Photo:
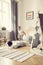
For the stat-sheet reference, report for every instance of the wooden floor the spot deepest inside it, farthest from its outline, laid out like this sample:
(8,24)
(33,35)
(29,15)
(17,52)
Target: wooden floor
(34,60)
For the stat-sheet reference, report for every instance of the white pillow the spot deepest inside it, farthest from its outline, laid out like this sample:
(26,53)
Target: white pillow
(19,44)
(25,38)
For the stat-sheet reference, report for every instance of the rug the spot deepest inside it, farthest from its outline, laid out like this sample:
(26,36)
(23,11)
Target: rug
(17,55)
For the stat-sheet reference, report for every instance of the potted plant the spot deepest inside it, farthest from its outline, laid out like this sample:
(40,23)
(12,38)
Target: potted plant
(3,28)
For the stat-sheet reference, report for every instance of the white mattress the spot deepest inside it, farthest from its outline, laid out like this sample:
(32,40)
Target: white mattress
(37,51)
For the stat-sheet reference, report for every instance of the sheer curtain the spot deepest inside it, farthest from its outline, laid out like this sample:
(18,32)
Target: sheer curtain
(5,14)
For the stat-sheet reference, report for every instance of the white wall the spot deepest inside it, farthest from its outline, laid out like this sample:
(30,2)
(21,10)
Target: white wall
(27,6)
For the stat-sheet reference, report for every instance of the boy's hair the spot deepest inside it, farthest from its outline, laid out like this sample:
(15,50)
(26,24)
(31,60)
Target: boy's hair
(9,43)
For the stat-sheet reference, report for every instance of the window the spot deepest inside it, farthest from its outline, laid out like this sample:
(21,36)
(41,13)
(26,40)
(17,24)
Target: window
(5,13)
(0,4)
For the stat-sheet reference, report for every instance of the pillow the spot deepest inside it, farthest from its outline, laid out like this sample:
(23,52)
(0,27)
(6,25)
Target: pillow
(36,41)
(19,44)
(30,39)
(27,38)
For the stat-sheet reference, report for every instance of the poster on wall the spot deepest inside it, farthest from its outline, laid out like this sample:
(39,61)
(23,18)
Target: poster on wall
(30,15)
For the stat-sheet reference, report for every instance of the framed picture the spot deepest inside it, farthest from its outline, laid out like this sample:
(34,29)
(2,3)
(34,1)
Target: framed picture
(29,15)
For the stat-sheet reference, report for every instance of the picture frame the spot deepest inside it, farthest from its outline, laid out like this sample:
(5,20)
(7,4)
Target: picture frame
(30,15)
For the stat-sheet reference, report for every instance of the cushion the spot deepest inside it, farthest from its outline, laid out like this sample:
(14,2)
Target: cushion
(36,41)
(19,44)
(27,38)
